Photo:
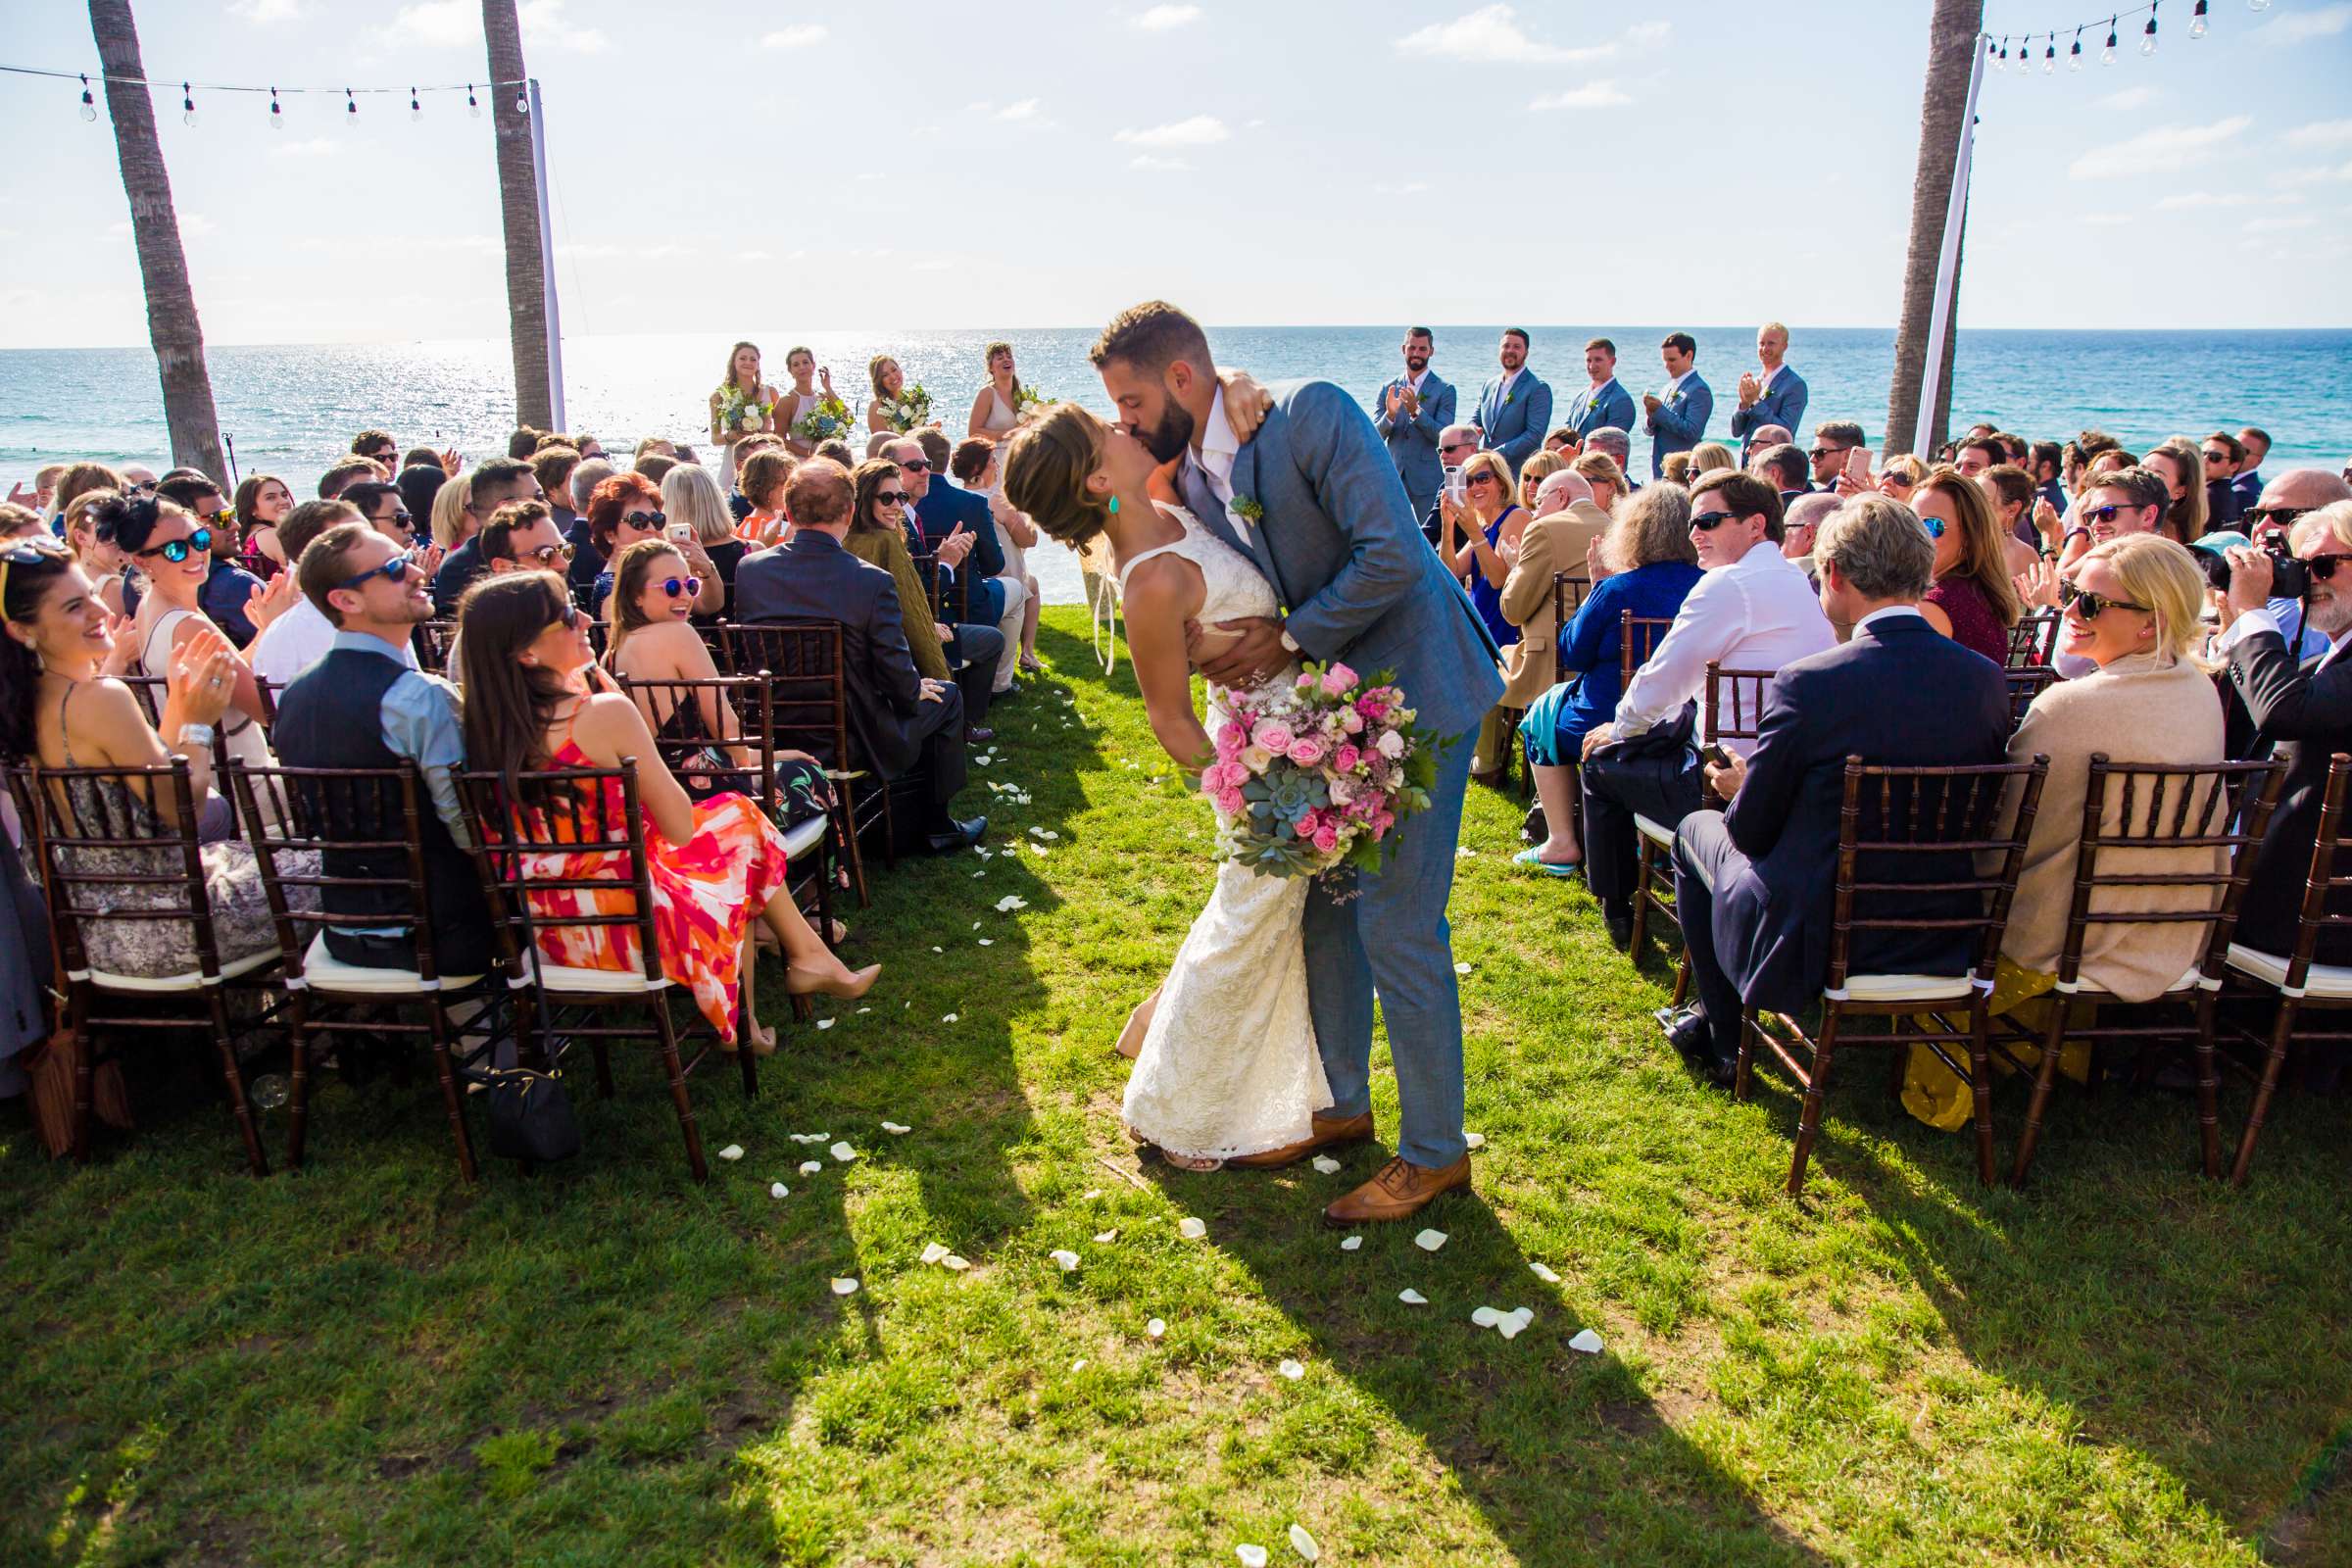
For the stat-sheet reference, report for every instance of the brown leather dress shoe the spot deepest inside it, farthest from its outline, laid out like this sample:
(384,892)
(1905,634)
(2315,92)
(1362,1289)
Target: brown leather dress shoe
(1400,1191)
(1327,1134)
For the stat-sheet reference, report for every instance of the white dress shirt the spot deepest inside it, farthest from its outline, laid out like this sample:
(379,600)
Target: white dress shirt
(1502,390)
(295,641)
(1759,612)
(1219,447)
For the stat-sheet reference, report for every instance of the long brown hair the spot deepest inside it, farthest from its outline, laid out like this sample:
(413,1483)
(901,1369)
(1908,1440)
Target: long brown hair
(1984,558)
(508,705)
(23,585)
(873,372)
(757,381)
(868,478)
(630,569)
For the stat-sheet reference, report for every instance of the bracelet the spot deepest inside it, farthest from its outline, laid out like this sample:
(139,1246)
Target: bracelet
(196,735)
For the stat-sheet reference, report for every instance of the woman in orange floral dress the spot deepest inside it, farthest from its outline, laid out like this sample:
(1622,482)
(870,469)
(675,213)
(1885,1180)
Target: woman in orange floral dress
(535,699)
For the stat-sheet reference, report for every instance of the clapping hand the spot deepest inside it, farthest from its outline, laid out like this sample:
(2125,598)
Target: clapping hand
(451,462)
(1750,388)
(1596,564)
(956,546)
(2038,585)
(124,653)
(2046,522)
(1650,403)
(426,558)
(201,681)
(275,600)
(1396,400)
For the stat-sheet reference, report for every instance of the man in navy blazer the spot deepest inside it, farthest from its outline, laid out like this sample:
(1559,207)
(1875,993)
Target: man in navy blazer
(1514,408)
(1776,397)
(1677,421)
(1756,883)
(1604,404)
(1411,413)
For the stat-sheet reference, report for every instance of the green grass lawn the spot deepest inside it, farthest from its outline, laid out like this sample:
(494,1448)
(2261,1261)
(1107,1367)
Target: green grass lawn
(367,1361)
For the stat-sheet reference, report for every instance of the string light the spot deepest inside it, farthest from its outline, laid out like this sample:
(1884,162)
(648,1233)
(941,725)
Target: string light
(87,108)
(89,105)
(415,109)
(2107,55)
(472,107)
(2147,34)
(2197,23)
(522,104)
(187,107)
(351,106)
(277,115)
(2049,57)
(2074,61)
(2001,50)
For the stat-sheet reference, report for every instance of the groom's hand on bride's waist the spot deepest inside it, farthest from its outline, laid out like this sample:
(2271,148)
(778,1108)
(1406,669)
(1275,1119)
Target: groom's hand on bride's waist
(1235,653)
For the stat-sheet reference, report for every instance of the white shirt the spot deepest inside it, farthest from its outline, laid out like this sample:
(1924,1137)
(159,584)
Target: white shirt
(295,641)
(1675,385)
(1503,388)
(1759,612)
(1219,447)
(2267,619)
(1891,609)
(1414,382)
(1774,375)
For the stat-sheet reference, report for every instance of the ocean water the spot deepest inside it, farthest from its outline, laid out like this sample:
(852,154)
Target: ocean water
(290,410)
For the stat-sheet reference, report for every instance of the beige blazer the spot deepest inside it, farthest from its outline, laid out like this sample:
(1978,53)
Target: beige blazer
(1550,545)
(2136,710)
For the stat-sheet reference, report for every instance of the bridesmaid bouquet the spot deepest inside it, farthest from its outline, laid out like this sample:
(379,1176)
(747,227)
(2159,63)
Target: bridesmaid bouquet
(828,421)
(1029,401)
(909,410)
(1312,777)
(739,413)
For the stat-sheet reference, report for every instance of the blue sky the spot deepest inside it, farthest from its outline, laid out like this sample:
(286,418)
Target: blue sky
(935,164)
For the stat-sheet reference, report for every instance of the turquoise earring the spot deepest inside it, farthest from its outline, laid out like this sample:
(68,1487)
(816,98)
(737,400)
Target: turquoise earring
(1114,506)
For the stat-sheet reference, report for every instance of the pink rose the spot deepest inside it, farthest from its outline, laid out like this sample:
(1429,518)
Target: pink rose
(1345,757)
(1327,838)
(1231,738)
(1352,722)
(1337,679)
(1273,734)
(1307,750)
(1229,801)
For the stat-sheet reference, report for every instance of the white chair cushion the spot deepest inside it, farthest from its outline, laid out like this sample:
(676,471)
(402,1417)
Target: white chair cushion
(192,980)
(2188,982)
(1655,832)
(805,837)
(323,971)
(1902,988)
(599,982)
(2321,980)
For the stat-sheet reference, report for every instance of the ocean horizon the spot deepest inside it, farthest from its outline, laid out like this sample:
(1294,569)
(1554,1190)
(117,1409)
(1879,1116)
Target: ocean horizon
(290,409)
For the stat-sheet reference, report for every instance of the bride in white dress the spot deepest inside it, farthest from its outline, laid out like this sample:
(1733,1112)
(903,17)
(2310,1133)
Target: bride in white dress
(1228,1066)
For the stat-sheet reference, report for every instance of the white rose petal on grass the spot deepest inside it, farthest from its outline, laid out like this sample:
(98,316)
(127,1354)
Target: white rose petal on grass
(731,1151)
(1292,1370)
(936,949)
(1544,1272)
(811,1167)
(1191,1229)
(1252,1555)
(843,1152)
(1485,1317)
(1350,1243)
(1585,1340)
(947,1017)
(824,1023)
(1514,1323)
(1078,1365)
(895,1127)
(1462,967)
(933,1251)
(952,1261)
(1413,1298)
(1011,902)
(1463,852)
(1327,1165)
(1475,1140)
(845,1286)
(987,942)
(1430,1241)
(1105,1238)
(778,1189)
(1065,1257)
(1303,1544)
(1157,1327)
(865,1009)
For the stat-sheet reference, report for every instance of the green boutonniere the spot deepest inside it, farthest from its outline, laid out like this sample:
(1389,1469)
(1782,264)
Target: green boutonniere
(1247,509)
(1509,398)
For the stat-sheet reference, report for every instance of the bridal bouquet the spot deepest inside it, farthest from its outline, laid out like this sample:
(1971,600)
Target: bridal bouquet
(909,410)
(1028,400)
(828,421)
(1312,775)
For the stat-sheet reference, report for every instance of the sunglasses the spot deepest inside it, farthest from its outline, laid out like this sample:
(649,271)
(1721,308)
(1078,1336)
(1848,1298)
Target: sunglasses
(405,521)
(890,498)
(176,551)
(2089,606)
(2217,457)
(548,554)
(2277,516)
(388,457)
(143,487)
(1934,525)
(644,519)
(1479,478)
(1709,521)
(1819,452)
(394,571)
(682,587)
(916,466)
(2108,514)
(569,618)
(1458,446)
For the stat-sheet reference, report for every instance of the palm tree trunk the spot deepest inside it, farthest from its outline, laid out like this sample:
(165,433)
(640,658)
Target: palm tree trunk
(172,324)
(1952,55)
(519,212)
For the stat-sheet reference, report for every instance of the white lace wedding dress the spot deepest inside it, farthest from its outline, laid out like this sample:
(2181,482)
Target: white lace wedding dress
(1229,1064)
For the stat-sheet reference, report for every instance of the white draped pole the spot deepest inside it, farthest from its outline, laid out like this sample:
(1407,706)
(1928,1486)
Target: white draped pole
(547,253)
(1947,265)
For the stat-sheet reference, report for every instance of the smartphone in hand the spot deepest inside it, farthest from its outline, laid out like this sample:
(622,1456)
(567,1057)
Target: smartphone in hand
(1857,464)
(1714,755)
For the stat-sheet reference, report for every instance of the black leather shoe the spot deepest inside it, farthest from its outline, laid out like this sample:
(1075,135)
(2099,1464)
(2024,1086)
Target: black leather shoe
(1621,929)
(978,733)
(957,836)
(1688,1031)
(1723,1071)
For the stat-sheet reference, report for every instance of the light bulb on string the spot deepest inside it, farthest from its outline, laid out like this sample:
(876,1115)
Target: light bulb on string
(187,107)
(2073,58)
(2000,58)
(472,105)
(522,102)
(2197,23)
(89,105)
(2049,57)
(2257,5)
(351,106)
(415,109)
(277,116)
(2147,34)
(2107,55)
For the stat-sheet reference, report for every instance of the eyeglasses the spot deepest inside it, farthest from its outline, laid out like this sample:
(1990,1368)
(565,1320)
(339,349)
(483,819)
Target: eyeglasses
(890,498)
(176,551)
(2089,606)
(1709,521)
(2277,516)
(394,571)
(682,587)
(644,519)
(916,466)
(548,554)
(1819,452)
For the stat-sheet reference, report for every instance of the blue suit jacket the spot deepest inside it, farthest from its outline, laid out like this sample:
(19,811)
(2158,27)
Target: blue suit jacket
(1783,404)
(942,508)
(1771,917)
(1413,443)
(1339,542)
(1612,408)
(1681,422)
(1516,429)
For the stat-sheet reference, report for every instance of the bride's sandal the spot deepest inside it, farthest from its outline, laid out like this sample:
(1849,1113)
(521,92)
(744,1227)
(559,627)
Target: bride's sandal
(1192,1162)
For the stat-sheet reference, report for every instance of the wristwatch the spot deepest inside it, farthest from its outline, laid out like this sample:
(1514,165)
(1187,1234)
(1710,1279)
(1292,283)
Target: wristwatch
(196,735)
(1290,644)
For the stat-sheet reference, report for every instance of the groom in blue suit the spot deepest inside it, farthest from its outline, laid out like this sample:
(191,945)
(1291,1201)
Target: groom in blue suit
(1677,421)
(1409,412)
(1514,410)
(1315,501)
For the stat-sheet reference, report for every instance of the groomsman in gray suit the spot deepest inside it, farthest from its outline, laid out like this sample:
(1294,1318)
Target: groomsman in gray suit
(1604,404)
(1677,421)
(1514,410)
(1410,414)
(1776,397)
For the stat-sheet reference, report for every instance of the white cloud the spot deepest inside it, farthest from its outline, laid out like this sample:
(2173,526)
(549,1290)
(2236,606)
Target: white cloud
(1153,161)
(2129,98)
(2320,133)
(594,250)
(800,35)
(544,24)
(2160,151)
(1160,19)
(2279,226)
(1026,108)
(1198,131)
(1591,95)
(1649,34)
(2301,26)
(1491,35)
(267,10)
(2312,176)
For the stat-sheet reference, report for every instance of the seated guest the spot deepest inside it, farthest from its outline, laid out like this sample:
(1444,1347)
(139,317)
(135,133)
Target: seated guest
(2180,465)
(553,467)
(1550,542)
(627,508)
(653,467)
(1565,441)
(94,547)
(1476,533)
(837,451)
(1455,445)
(1710,457)
(1832,439)
(1646,563)
(227,587)
(1566,494)
(381,508)
(348,472)
(60,708)
(1770,435)
(2248,481)
(447,520)
(302,636)
(492,484)
(175,554)
(586,559)
(1677,470)
(1974,601)
(948,513)
(421,486)
(1801,523)
(1753,883)
(1783,467)
(880,534)
(364,705)
(766,471)
(2012,493)
(1539,466)
(1902,476)
(900,717)
(2048,462)
(690,496)
(1754,610)
(1617,446)
(534,700)
(262,503)
(2301,714)
(2287,499)
(1604,474)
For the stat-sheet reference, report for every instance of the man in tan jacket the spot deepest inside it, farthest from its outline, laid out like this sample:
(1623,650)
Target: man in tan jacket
(1566,524)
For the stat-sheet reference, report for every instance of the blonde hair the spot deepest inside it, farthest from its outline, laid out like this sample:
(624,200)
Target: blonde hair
(1047,464)
(2161,574)
(1599,468)
(449,510)
(2335,517)
(1490,462)
(690,495)
(1539,468)
(1910,468)
(1709,456)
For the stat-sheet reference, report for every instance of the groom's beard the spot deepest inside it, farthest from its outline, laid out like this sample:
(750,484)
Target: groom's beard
(1168,440)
